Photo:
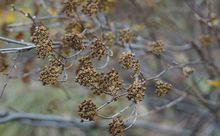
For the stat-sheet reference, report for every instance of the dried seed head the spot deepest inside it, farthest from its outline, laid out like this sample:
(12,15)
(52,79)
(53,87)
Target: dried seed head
(39,33)
(73,40)
(40,37)
(90,7)
(50,73)
(98,49)
(162,88)
(44,48)
(86,75)
(128,61)
(87,110)
(187,71)
(136,91)
(157,47)
(86,60)
(126,36)
(116,127)
(70,7)
(3,62)
(109,83)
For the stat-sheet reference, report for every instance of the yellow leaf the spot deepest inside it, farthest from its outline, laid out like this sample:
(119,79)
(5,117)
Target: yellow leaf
(214,83)
(10,17)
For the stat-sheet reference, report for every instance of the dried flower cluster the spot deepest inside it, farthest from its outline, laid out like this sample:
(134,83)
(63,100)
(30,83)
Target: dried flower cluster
(50,73)
(162,88)
(126,36)
(136,91)
(98,49)
(87,110)
(70,7)
(86,75)
(91,7)
(109,83)
(87,7)
(40,37)
(116,127)
(158,47)
(73,40)
(128,61)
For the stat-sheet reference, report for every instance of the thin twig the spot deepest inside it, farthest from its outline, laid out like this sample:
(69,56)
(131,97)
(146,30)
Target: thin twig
(8,76)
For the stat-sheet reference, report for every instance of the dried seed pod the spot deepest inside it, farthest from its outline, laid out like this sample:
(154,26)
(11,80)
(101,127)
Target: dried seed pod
(116,127)
(157,47)
(39,33)
(187,71)
(3,62)
(98,49)
(113,83)
(91,7)
(50,73)
(109,83)
(73,40)
(87,110)
(86,75)
(162,88)
(44,48)
(126,36)
(40,37)
(136,91)
(86,60)
(70,7)
(128,61)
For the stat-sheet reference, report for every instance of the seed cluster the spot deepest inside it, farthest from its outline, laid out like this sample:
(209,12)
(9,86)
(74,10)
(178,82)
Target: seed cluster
(3,62)
(73,40)
(109,83)
(87,7)
(162,88)
(91,7)
(126,36)
(50,73)
(128,61)
(98,49)
(116,127)
(158,47)
(87,110)
(40,37)
(136,91)
(70,7)
(86,74)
